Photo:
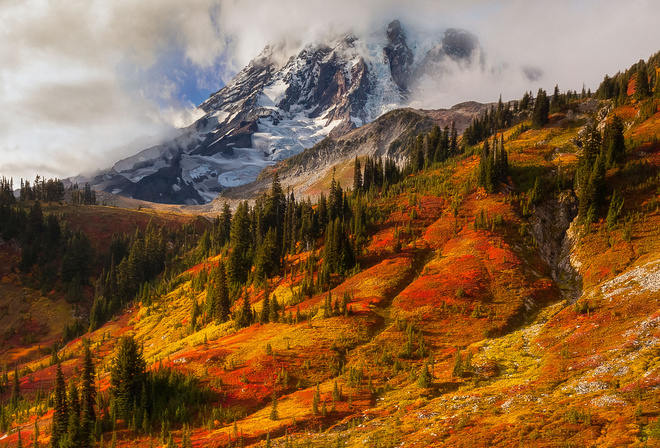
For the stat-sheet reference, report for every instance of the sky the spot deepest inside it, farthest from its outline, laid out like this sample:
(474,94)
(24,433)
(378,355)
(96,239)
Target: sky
(84,83)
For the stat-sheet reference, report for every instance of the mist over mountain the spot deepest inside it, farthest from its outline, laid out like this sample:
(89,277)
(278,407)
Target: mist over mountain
(277,106)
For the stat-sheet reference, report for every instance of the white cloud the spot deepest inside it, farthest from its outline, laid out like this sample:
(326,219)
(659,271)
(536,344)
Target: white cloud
(84,83)
(80,79)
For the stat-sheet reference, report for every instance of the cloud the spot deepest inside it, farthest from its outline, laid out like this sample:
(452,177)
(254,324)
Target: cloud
(80,80)
(565,42)
(84,83)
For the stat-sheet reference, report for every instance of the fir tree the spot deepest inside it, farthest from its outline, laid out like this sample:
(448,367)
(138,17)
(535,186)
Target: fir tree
(88,398)
(614,141)
(127,375)
(424,378)
(273,407)
(246,316)
(315,401)
(457,371)
(35,434)
(264,316)
(642,89)
(557,101)
(357,176)
(60,414)
(616,205)
(15,390)
(223,306)
(541,110)
(274,310)
(453,139)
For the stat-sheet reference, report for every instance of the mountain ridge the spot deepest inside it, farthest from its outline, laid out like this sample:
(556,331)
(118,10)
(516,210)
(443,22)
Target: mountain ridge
(269,112)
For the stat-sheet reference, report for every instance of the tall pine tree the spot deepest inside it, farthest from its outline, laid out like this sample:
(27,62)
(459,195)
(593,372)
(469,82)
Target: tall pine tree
(127,376)
(88,399)
(60,414)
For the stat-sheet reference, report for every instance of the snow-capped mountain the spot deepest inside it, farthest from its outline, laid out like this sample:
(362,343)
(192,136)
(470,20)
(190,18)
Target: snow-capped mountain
(271,111)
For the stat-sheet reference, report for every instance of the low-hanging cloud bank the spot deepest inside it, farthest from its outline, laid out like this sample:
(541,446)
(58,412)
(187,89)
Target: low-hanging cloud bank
(84,83)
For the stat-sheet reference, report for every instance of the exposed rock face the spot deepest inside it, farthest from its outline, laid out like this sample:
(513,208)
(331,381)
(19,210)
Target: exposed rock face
(459,44)
(399,55)
(554,231)
(270,112)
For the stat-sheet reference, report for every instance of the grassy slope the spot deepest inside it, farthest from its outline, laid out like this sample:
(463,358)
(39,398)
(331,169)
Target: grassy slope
(29,321)
(545,374)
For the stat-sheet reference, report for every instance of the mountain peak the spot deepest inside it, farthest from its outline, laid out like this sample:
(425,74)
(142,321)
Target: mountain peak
(278,106)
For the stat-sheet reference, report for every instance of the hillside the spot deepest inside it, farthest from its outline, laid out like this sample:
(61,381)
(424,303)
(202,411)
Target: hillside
(287,99)
(309,172)
(497,294)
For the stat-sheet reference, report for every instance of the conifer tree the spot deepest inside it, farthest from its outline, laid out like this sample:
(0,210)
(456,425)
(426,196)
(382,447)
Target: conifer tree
(264,316)
(240,257)
(274,310)
(424,378)
(357,176)
(453,138)
(35,434)
(616,205)
(642,89)
(127,376)
(457,371)
(614,141)
(315,401)
(273,407)
(60,414)
(246,316)
(223,307)
(15,390)
(88,399)
(541,110)
(557,101)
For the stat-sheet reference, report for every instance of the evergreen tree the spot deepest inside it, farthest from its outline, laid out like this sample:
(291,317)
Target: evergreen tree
(606,89)
(273,407)
(264,316)
(541,110)
(557,101)
(15,390)
(240,257)
(246,316)
(35,435)
(616,205)
(315,401)
(223,306)
(453,139)
(424,378)
(642,89)
(614,141)
(525,101)
(274,310)
(457,371)
(127,376)
(88,399)
(60,414)
(357,176)
(224,226)
(591,176)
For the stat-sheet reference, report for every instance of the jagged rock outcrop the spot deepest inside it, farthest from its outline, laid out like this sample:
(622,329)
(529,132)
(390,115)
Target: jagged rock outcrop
(554,230)
(271,111)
